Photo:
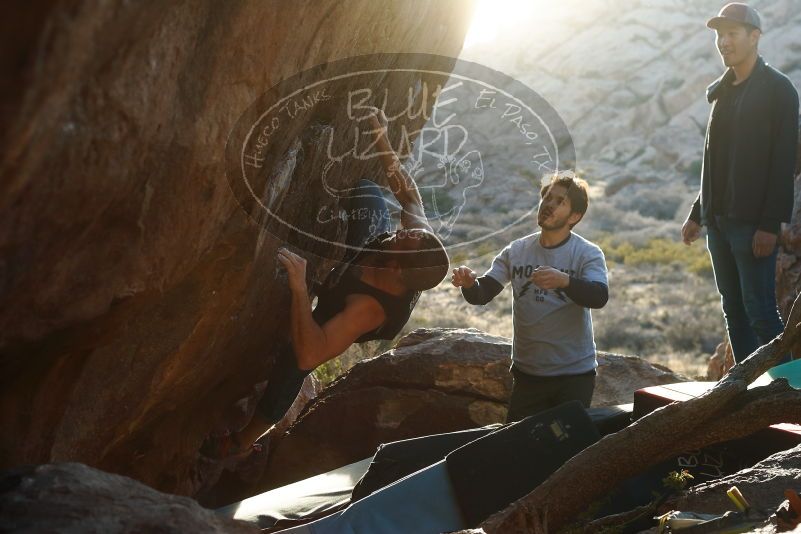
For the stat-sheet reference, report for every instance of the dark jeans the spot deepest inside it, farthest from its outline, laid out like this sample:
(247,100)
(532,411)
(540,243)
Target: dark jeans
(533,394)
(747,286)
(368,216)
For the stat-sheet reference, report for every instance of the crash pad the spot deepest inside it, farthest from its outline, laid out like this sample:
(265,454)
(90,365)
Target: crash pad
(300,501)
(790,370)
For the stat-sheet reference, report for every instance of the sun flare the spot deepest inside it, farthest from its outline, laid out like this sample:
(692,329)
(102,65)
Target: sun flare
(498,20)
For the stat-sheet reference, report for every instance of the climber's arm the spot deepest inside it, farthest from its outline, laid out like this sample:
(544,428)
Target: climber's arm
(316,344)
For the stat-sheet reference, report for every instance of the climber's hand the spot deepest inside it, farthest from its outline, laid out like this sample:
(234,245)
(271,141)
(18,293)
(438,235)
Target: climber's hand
(376,117)
(296,269)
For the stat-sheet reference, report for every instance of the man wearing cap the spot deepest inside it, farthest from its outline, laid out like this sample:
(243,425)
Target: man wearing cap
(747,178)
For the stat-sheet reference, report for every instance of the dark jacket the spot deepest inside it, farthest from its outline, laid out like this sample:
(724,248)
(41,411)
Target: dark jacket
(764,144)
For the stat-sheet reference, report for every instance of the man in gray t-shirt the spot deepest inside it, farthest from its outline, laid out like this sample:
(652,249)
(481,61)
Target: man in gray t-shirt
(556,277)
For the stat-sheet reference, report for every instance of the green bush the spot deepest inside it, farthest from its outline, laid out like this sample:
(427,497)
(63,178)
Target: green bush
(330,370)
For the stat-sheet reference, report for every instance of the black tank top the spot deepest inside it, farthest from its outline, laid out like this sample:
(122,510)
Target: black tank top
(331,301)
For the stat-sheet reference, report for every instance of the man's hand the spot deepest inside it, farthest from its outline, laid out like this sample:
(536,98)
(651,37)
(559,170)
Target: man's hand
(463,277)
(763,243)
(546,277)
(296,270)
(690,231)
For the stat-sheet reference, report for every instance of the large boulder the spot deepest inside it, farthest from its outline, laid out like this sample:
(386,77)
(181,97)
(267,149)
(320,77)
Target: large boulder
(438,380)
(435,380)
(138,301)
(74,498)
(619,376)
(762,485)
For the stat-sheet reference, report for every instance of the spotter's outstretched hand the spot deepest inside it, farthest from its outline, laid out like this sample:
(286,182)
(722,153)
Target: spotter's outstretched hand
(463,277)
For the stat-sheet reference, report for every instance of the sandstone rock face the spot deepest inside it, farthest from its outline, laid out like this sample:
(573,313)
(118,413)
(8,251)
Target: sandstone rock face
(74,498)
(434,380)
(138,300)
(222,479)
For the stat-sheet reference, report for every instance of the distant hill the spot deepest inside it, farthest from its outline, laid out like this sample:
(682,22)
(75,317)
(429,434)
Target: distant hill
(628,77)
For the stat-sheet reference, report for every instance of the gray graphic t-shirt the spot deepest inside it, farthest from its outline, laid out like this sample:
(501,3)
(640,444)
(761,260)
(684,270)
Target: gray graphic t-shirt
(552,334)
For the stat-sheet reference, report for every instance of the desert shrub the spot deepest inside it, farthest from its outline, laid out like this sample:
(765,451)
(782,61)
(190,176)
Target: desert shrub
(656,201)
(604,216)
(329,371)
(657,251)
(659,312)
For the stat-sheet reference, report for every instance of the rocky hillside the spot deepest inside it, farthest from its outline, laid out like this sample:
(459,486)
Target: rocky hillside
(628,77)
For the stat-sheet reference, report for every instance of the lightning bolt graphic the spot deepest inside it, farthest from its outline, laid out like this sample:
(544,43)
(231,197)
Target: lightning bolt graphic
(524,289)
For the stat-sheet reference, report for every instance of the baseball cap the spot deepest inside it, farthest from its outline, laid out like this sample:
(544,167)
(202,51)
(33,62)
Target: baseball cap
(736,12)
